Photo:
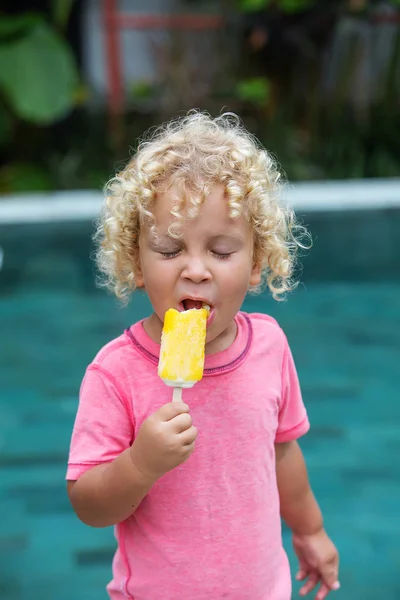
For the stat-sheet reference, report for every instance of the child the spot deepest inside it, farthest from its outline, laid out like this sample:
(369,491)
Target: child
(196,488)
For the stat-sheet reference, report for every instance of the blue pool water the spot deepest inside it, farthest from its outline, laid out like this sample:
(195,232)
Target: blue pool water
(343,324)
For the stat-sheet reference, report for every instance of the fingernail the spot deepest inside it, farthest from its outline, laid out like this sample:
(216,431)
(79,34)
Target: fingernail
(336,585)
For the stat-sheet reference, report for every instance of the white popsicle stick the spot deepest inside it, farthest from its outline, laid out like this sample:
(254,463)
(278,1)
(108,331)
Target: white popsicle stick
(177,394)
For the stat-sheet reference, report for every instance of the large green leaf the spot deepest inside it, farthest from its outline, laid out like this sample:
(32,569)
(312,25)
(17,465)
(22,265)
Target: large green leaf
(38,75)
(16,25)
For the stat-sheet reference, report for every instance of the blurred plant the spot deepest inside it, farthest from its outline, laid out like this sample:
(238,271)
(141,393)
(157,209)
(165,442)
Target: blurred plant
(289,6)
(255,90)
(61,11)
(359,103)
(144,95)
(39,83)
(24,177)
(318,82)
(333,80)
(38,76)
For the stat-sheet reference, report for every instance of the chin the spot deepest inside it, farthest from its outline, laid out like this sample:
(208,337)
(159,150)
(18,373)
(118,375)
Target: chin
(215,332)
(211,335)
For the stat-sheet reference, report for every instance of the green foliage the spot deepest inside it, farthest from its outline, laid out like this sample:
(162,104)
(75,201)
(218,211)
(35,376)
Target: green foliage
(39,86)
(61,10)
(18,25)
(143,90)
(38,76)
(298,95)
(253,5)
(255,90)
(20,177)
(313,117)
(289,6)
(293,6)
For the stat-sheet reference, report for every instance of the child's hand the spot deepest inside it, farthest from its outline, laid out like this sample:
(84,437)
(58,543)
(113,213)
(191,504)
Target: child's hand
(319,562)
(164,441)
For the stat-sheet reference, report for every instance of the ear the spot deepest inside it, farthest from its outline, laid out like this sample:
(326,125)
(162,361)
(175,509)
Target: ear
(255,278)
(139,280)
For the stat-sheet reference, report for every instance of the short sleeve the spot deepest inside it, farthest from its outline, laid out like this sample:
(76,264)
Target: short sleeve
(103,425)
(292,421)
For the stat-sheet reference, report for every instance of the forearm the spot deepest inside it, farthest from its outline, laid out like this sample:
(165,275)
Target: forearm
(299,508)
(108,494)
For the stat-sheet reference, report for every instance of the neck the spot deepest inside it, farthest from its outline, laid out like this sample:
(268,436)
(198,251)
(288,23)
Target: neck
(223,340)
(153,327)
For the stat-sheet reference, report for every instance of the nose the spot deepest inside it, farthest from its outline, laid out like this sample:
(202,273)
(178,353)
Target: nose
(196,270)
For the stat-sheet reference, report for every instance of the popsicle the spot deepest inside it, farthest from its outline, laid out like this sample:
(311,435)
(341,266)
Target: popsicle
(181,362)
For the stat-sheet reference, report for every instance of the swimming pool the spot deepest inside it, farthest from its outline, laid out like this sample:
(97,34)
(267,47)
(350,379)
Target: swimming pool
(343,323)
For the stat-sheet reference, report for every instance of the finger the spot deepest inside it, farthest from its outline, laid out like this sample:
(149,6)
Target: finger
(310,585)
(172,409)
(189,449)
(181,423)
(302,572)
(323,592)
(329,575)
(189,436)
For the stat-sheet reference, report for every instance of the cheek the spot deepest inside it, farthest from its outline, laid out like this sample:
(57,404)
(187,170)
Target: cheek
(236,278)
(157,272)
(240,270)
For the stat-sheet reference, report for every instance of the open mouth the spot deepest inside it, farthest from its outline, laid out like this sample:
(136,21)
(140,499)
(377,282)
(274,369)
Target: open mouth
(189,304)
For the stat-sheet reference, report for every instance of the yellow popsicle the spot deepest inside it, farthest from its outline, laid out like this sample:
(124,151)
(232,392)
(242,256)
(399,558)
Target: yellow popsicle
(183,339)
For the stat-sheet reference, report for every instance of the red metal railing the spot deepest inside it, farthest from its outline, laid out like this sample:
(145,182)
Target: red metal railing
(114,21)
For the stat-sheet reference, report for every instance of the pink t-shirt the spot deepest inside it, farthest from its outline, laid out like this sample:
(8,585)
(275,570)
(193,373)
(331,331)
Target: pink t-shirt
(210,528)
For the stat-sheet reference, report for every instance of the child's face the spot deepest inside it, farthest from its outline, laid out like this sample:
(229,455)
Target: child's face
(212,262)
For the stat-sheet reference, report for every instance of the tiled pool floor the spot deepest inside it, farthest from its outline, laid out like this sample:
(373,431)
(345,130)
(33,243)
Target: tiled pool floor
(346,342)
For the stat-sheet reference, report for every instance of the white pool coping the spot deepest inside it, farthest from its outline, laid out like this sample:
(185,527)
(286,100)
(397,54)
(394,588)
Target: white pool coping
(83,205)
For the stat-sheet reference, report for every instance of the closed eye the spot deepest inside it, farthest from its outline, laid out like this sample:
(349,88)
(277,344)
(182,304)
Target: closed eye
(223,255)
(170,254)
(174,253)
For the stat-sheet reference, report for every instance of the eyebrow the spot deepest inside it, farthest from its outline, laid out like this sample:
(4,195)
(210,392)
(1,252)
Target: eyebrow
(160,240)
(225,237)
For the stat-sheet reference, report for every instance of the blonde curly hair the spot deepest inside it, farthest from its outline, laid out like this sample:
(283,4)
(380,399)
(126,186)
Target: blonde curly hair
(195,153)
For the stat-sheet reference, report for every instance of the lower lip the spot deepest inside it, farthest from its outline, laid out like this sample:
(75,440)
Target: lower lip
(181,308)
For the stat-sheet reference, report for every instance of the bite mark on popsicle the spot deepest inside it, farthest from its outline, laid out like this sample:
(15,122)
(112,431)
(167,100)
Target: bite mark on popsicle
(182,352)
